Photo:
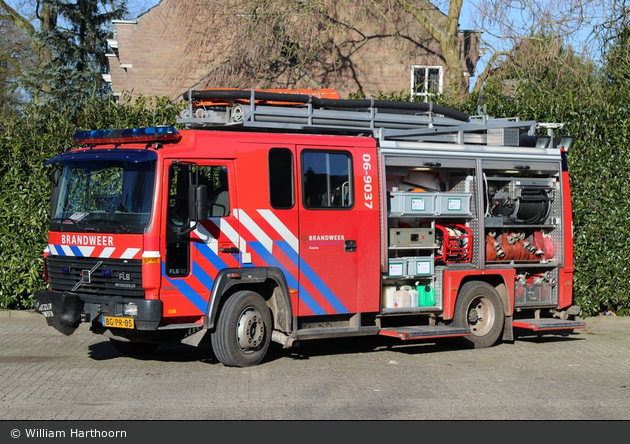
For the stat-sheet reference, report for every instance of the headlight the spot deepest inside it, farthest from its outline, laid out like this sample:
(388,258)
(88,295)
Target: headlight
(130,309)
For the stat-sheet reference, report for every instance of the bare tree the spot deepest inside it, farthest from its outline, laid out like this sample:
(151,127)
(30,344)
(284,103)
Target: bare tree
(509,24)
(16,54)
(286,42)
(47,21)
(317,42)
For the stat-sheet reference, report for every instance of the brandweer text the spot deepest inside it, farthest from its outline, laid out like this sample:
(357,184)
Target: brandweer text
(84,239)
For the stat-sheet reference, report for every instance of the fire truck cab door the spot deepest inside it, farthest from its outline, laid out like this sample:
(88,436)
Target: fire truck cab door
(193,259)
(328,225)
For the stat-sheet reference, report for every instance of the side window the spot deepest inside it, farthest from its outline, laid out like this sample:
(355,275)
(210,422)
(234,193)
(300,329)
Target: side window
(281,193)
(177,250)
(327,179)
(178,182)
(214,177)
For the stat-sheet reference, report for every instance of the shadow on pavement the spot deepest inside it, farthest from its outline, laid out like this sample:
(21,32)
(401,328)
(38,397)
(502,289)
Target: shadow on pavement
(177,352)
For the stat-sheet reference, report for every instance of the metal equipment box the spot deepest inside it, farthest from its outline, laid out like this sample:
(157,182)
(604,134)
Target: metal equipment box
(412,237)
(411,203)
(419,266)
(397,267)
(453,204)
(530,293)
(432,204)
(503,136)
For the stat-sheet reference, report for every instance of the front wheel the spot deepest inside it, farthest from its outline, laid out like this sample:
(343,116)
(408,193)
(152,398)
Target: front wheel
(479,309)
(242,332)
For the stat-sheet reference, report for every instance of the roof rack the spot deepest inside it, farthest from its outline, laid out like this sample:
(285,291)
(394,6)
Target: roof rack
(383,119)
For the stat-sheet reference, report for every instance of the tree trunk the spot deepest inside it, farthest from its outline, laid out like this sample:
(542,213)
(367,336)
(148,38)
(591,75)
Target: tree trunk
(444,29)
(48,19)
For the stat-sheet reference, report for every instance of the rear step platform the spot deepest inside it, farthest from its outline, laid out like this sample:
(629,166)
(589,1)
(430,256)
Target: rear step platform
(424,332)
(547,324)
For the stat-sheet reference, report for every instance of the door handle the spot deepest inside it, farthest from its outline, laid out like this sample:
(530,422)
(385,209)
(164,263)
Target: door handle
(351,246)
(228,250)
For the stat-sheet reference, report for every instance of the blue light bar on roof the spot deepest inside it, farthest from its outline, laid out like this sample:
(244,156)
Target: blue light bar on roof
(164,134)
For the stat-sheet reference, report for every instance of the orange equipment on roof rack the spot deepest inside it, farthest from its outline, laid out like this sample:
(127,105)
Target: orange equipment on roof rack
(319,93)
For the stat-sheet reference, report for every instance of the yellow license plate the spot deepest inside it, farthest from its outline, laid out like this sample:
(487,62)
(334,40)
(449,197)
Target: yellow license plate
(115,322)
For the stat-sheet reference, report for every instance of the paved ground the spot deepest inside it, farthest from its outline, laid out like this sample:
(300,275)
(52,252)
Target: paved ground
(45,375)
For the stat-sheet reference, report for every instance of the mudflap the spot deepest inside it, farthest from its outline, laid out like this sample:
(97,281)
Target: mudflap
(61,310)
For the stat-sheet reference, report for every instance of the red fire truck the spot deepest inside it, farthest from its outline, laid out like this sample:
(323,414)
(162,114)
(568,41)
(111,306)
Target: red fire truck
(281,217)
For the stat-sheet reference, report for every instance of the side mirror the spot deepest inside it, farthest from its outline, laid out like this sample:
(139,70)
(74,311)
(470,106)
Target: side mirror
(198,203)
(54,177)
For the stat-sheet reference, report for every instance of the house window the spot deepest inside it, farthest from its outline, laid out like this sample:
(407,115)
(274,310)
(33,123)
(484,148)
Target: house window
(426,80)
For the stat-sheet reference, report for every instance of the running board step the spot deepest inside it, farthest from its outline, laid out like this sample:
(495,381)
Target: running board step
(547,324)
(424,332)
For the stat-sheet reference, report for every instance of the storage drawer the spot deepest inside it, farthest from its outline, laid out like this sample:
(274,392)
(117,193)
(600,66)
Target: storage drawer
(397,267)
(453,204)
(411,204)
(531,293)
(420,266)
(420,204)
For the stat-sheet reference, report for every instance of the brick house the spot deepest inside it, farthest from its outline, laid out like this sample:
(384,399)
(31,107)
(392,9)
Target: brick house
(166,52)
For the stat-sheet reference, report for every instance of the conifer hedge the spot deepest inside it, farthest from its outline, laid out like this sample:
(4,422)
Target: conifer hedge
(599,173)
(26,141)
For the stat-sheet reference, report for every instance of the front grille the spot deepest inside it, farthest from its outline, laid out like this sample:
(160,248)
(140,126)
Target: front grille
(112,277)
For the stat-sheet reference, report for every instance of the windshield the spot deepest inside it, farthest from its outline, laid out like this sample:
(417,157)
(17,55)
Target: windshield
(102,192)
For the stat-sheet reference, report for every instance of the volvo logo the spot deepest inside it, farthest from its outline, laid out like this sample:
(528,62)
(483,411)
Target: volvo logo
(86,276)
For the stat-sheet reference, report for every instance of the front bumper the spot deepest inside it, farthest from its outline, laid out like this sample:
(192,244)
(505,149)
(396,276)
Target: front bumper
(65,311)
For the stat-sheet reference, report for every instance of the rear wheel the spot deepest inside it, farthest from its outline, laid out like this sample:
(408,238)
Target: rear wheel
(243,330)
(133,349)
(479,309)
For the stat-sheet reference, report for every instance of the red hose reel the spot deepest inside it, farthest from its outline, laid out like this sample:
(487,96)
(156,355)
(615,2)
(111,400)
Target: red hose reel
(455,243)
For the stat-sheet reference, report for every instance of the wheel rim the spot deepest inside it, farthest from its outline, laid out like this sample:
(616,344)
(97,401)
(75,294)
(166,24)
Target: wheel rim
(480,316)
(250,330)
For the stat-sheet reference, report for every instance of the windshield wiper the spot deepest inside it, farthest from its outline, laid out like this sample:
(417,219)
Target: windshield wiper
(63,220)
(119,226)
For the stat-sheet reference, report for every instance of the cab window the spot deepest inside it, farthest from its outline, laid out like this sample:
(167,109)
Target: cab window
(327,179)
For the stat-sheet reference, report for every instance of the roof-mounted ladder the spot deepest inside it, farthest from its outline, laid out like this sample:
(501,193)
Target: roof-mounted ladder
(385,120)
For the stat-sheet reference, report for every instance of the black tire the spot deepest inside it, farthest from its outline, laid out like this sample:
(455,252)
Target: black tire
(134,349)
(479,309)
(242,332)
